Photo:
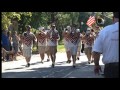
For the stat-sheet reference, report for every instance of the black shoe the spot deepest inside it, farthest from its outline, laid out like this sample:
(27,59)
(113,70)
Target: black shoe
(92,61)
(69,61)
(53,65)
(74,66)
(48,60)
(78,58)
(28,65)
(42,62)
(88,62)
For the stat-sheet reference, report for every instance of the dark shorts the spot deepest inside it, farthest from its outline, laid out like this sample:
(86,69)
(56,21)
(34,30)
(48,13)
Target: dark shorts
(6,48)
(111,70)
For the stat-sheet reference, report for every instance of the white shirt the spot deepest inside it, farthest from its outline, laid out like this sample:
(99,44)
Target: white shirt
(107,43)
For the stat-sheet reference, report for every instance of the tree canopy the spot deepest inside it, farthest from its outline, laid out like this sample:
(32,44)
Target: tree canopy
(61,19)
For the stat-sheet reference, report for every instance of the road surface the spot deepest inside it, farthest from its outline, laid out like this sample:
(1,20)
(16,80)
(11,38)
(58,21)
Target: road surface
(17,69)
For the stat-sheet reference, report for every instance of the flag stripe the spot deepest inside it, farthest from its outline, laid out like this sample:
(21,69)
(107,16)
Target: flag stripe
(90,21)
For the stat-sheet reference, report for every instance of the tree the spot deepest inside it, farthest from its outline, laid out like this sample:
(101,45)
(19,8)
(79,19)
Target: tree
(7,17)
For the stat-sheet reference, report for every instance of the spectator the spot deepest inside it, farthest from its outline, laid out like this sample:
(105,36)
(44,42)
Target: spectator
(5,42)
(107,43)
(15,41)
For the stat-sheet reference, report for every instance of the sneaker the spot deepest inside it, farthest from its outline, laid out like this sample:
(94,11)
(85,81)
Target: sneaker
(68,61)
(41,61)
(88,62)
(53,65)
(78,58)
(48,60)
(92,61)
(74,66)
(28,65)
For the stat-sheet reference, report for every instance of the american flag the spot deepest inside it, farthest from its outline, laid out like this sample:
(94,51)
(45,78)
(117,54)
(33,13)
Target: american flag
(91,21)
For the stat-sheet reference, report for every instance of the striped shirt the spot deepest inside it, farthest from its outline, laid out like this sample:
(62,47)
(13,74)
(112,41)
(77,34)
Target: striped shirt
(41,39)
(53,38)
(28,40)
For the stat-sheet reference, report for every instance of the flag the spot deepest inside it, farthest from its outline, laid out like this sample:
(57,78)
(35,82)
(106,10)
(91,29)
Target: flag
(91,21)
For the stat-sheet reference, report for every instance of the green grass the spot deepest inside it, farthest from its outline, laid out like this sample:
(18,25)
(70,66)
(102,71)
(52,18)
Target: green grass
(60,48)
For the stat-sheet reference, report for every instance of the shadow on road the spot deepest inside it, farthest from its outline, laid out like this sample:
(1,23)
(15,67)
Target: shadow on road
(82,70)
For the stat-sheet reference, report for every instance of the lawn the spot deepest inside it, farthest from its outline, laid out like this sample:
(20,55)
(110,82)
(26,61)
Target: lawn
(60,48)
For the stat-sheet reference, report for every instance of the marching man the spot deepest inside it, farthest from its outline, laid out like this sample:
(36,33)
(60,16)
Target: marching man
(52,41)
(41,38)
(74,40)
(66,35)
(27,39)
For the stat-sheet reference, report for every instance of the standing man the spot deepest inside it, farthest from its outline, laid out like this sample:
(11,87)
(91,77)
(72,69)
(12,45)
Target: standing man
(107,43)
(27,39)
(53,37)
(5,43)
(15,45)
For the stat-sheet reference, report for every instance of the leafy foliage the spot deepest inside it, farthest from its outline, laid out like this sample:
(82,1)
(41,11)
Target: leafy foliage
(61,19)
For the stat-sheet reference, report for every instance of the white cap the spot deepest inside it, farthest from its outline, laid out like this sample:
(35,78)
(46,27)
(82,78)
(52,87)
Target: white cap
(68,27)
(48,27)
(77,30)
(41,28)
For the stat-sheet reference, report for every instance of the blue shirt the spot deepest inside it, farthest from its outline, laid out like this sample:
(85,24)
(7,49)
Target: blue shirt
(5,40)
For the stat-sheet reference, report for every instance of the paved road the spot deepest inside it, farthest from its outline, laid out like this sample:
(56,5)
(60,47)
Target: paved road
(17,69)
